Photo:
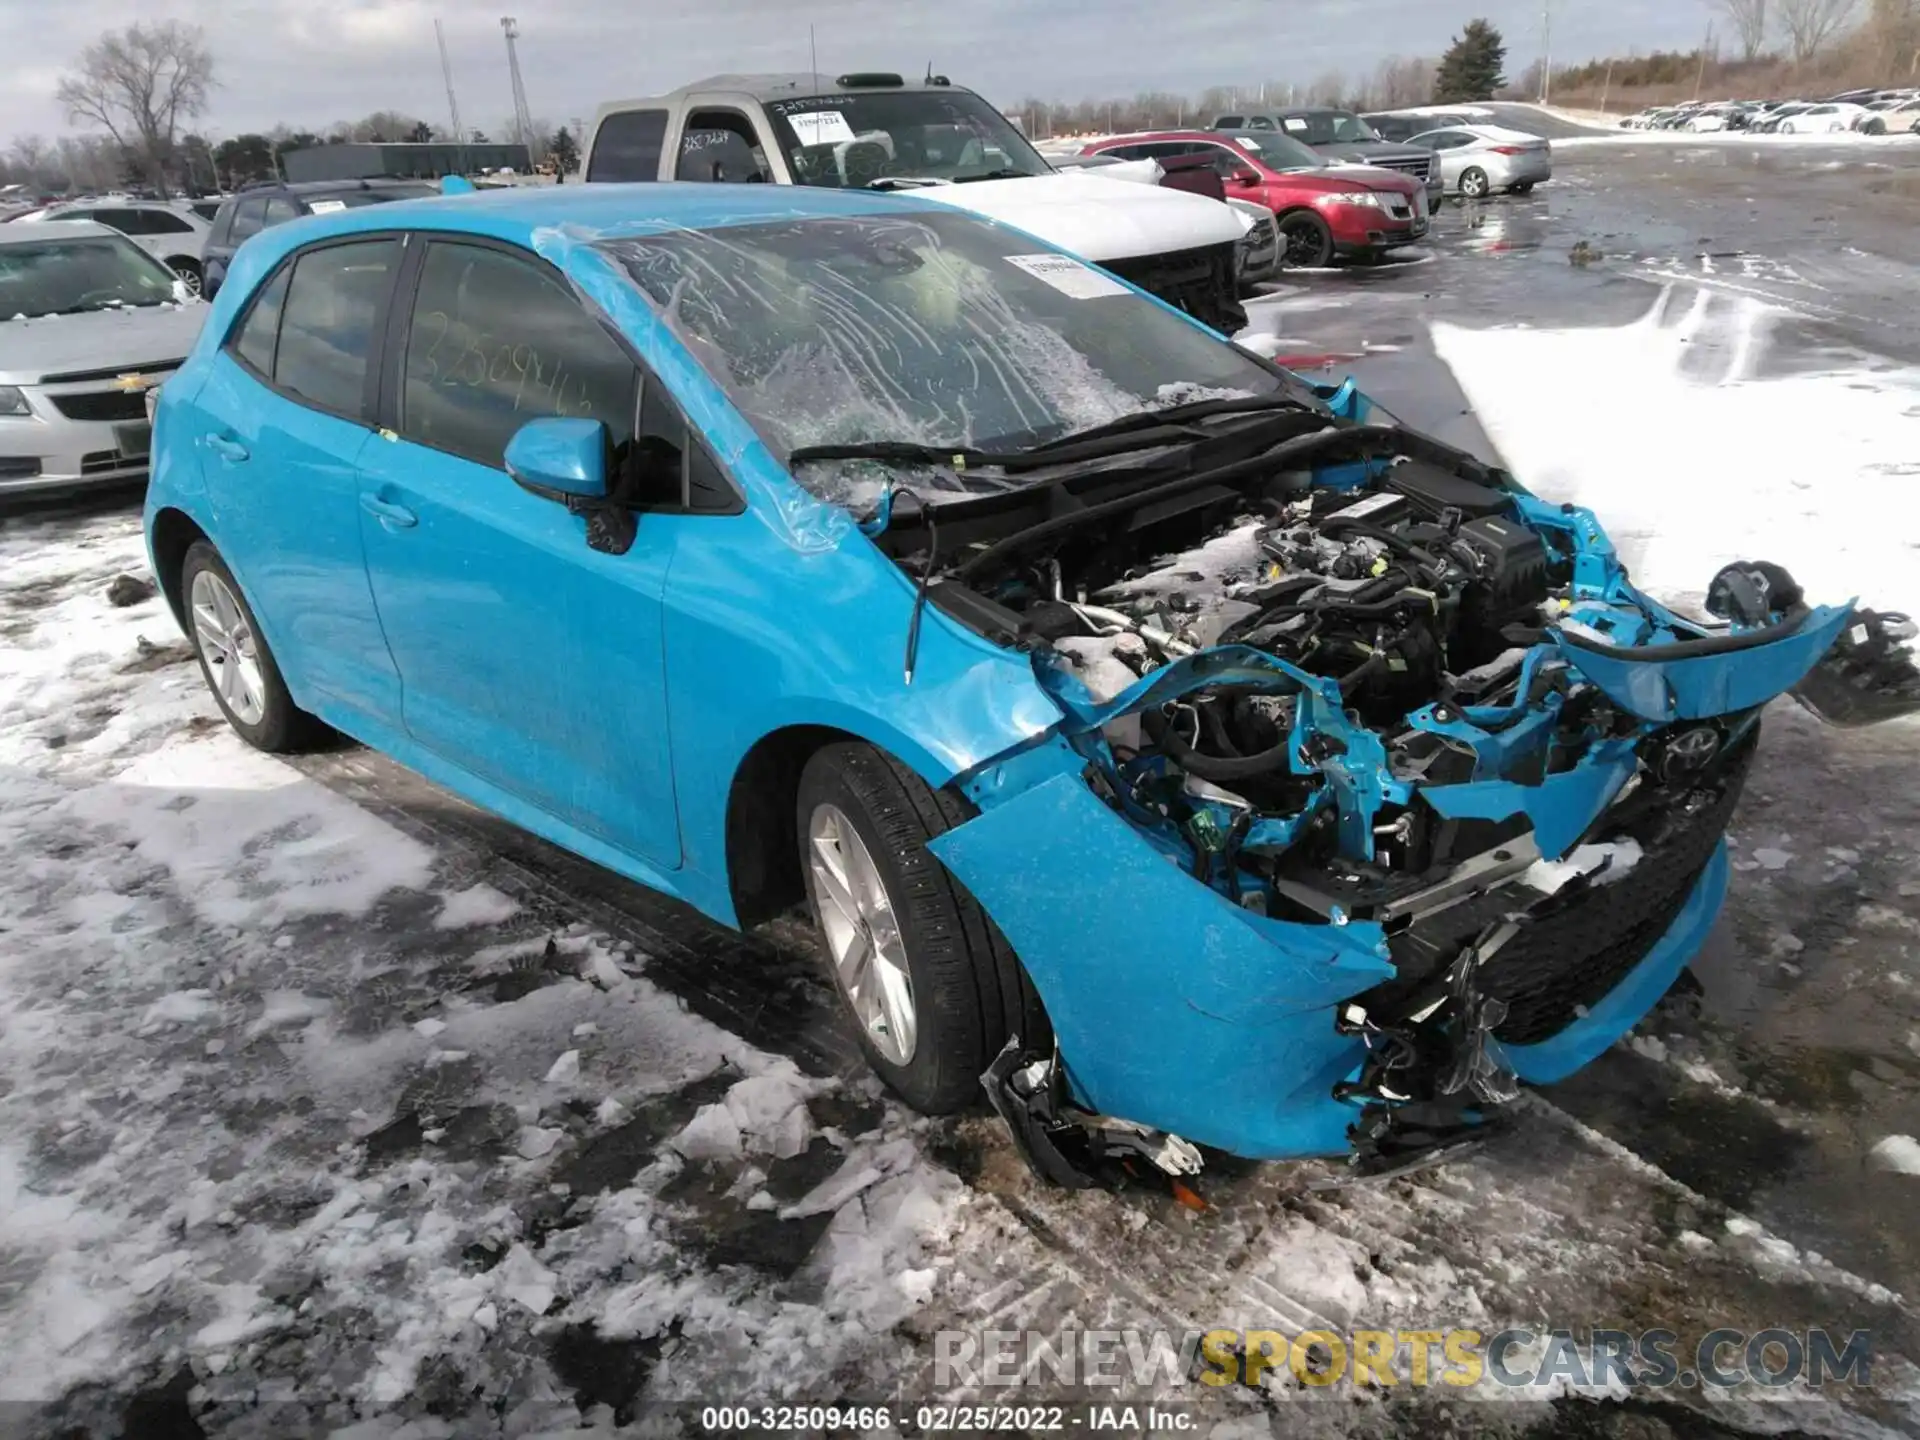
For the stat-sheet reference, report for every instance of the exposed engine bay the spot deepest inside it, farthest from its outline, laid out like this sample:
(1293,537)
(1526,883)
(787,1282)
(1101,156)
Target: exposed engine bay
(1373,684)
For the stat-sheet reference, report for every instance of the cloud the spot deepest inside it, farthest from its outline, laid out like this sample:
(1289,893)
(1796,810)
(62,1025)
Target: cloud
(308,65)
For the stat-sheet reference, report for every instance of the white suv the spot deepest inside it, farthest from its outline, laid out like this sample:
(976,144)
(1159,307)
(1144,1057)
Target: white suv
(171,231)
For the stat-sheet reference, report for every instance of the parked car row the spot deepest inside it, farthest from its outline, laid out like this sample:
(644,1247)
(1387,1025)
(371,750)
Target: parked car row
(196,238)
(1865,112)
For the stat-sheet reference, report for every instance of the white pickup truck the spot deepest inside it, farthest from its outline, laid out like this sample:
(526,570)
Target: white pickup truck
(882,132)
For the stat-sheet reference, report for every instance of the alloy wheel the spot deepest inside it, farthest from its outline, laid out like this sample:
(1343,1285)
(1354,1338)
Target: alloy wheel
(856,916)
(1474,184)
(226,641)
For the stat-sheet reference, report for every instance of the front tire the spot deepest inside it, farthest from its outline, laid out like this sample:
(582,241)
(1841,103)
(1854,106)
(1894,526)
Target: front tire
(188,271)
(932,987)
(239,669)
(1474,183)
(1308,240)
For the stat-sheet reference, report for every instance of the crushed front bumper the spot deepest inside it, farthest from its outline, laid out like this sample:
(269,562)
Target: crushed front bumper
(1179,1010)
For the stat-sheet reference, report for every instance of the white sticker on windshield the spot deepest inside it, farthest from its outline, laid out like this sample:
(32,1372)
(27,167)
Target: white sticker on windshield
(820,127)
(326,207)
(1069,276)
(1294,123)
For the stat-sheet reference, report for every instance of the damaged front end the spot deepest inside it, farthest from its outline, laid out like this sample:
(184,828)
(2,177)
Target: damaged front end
(1378,788)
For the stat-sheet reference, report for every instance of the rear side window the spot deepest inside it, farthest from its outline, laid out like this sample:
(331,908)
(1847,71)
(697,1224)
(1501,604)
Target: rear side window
(1228,122)
(280,210)
(628,146)
(332,311)
(495,342)
(145,222)
(260,331)
(249,218)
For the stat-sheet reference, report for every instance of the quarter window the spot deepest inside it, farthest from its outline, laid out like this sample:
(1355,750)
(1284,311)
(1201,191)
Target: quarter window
(628,146)
(280,210)
(260,332)
(333,309)
(495,341)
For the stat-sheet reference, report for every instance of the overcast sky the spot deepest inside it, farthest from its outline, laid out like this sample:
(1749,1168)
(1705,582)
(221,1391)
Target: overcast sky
(309,64)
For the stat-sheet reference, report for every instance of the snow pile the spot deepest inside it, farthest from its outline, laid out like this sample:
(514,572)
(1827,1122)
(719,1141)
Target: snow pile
(1694,454)
(1898,1153)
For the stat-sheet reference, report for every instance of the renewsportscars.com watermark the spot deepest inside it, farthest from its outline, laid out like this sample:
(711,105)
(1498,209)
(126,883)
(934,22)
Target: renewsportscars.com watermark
(1461,1359)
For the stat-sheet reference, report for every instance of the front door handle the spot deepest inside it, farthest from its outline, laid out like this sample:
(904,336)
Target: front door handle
(232,451)
(394,517)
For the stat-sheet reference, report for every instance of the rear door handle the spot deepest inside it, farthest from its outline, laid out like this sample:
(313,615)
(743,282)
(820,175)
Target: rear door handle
(232,451)
(394,517)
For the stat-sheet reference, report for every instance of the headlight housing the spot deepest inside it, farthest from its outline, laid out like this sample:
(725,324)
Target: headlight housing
(13,401)
(1349,197)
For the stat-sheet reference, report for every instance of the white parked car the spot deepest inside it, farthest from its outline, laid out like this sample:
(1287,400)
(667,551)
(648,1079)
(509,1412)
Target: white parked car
(174,232)
(1476,160)
(1826,120)
(92,325)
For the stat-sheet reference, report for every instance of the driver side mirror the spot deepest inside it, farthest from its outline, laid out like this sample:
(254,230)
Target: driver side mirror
(1245,179)
(566,459)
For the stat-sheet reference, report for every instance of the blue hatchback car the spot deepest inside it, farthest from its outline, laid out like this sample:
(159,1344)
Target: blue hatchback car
(1197,757)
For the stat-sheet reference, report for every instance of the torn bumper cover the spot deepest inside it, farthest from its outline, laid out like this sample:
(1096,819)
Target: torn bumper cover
(1176,1008)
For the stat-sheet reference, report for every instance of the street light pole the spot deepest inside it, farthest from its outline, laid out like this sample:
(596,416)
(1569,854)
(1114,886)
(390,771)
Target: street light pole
(1546,52)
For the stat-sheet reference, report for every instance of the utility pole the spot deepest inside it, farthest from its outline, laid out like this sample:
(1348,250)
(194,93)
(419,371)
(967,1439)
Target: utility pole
(1700,75)
(1606,88)
(1546,51)
(453,105)
(522,117)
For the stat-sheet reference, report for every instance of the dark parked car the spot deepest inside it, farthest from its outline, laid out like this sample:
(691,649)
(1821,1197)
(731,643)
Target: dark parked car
(1341,135)
(272,202)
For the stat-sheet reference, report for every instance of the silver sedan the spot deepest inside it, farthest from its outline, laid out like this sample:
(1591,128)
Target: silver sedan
(1477,160)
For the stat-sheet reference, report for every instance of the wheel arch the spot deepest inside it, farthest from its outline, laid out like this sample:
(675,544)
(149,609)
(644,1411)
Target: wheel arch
(762,840)
(171,533)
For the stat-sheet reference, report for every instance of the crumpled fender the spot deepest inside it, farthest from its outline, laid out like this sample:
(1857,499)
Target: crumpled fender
(1700,686)
(1151,978)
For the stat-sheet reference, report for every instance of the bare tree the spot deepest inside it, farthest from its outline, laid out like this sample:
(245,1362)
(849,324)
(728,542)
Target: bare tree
(32,157)
(1749,21)
(1329,89)
(1810,24)
(138,84)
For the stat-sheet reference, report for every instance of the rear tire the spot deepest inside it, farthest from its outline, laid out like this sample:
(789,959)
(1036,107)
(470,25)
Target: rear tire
(239,669)
(896,909)
(1474,183)
(1308,241)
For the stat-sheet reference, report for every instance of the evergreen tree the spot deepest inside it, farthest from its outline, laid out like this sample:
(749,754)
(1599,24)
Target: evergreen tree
(1470,70)
(565,152)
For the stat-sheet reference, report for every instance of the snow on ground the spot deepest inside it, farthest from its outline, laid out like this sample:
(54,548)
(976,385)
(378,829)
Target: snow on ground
(1696,451)
(1854,142)
(284,1101)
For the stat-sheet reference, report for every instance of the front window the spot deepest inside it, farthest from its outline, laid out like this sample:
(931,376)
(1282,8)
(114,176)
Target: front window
(933,329)
(894,137)
(67,277)
(1281,152)
(1330,127)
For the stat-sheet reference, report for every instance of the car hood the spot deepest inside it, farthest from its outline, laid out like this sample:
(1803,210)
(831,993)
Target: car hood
(1374,177)
(100,340)
(1365,150)
(1095,217)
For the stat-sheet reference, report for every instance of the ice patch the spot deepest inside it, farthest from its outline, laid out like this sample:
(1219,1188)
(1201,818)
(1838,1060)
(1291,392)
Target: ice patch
(476,905)
(248,840)
(1649,425)
(1898,1153)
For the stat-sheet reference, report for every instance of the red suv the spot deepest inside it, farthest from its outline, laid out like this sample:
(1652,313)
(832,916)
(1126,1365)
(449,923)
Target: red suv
(1323,210)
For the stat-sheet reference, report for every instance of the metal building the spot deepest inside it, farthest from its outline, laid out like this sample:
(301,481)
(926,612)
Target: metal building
(407,160)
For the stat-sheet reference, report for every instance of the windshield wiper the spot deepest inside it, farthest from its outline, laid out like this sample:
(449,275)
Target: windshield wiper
(904,182)
(1004,173)
(1115,437)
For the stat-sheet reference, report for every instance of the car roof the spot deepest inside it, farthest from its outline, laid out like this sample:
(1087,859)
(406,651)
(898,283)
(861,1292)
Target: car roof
(40,231)
(783,85)
(517,215)
(1136,137)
